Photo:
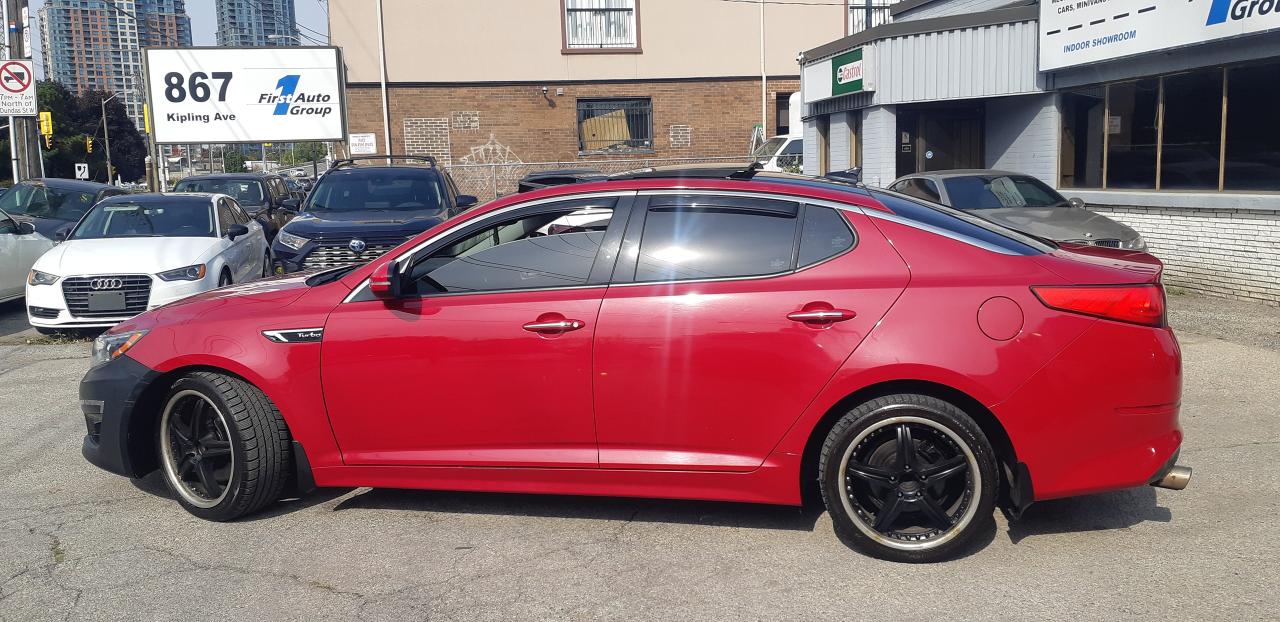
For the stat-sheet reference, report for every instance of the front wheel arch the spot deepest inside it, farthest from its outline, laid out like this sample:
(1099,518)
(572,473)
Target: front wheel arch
(142,447)
(1006,455)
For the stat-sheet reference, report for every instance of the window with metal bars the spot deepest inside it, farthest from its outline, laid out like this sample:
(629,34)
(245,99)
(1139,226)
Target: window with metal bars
(600,25)
(612,125)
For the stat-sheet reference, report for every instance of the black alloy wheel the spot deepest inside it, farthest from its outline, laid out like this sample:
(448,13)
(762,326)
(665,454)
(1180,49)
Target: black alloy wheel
(196,449)
(224,448)
(908,477)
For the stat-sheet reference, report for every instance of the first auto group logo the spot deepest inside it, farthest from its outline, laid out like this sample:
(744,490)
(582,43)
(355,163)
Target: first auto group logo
(288,101)
(1237,10)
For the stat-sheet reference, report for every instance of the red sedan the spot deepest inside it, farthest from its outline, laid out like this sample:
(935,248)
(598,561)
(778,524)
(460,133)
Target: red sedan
(702,333)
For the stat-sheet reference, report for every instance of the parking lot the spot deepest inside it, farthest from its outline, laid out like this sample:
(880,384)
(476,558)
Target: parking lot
(77,543)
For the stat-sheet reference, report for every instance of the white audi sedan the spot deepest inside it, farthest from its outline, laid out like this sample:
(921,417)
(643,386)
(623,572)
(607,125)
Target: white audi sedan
(135,252)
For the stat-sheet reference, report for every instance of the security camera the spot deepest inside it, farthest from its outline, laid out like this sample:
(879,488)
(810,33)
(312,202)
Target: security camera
(544,90)
(800,57)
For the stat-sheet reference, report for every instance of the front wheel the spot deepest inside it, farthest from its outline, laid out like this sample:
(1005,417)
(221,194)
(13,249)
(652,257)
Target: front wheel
(908,478)
(224,448)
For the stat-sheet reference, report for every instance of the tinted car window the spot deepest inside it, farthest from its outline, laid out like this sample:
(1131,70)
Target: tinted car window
(959,223)
(125,219)
(377,189)
(919,188)
(225,219)
(1000,191)
(712,237)
(825,234)
(40,201)
(242,190)
(549,249)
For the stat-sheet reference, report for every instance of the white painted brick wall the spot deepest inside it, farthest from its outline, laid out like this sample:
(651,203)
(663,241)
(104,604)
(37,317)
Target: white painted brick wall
(1231,253)
(879,145)
(839,138)
(1022,135)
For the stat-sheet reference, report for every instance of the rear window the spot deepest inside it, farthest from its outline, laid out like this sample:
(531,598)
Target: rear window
(377,189)
(1001,191)
(958,223)
(246,191)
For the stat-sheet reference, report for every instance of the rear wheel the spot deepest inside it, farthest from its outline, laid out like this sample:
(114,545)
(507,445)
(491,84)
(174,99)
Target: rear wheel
(908,478)
(224,448)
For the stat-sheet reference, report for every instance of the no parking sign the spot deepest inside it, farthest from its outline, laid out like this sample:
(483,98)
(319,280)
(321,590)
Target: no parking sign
(17,89)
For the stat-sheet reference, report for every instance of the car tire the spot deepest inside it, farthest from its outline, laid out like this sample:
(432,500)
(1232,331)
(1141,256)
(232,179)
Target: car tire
(224,279)
(925,508)
(266,264)
(224,449)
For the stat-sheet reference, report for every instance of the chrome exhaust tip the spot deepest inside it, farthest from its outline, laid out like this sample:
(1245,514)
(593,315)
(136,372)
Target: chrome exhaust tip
(1176,479)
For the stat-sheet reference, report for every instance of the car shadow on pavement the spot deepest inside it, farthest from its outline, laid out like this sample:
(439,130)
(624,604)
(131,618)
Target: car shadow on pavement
(153,484)
(1113,510)
(711,513)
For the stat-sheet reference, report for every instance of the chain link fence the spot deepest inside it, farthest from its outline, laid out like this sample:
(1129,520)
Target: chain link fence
(490,181)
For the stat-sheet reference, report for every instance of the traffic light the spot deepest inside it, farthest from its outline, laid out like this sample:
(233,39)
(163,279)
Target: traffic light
(48,141)
(88,144)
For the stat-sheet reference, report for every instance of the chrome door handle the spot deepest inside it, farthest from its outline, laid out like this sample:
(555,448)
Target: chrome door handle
(560,326)
(826,316)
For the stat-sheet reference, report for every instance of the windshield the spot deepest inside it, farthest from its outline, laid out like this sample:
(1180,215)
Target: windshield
(769,147)
(1000,191)
(40,201)
(132,220)
(245,191)
(386,189)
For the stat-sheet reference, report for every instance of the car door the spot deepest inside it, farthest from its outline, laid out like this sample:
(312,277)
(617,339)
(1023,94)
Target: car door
(726,317)
(256,241)
(486,358)
(235,252)
(11,270)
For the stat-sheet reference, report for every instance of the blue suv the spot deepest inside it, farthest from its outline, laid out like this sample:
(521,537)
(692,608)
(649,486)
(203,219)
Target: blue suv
(357,212)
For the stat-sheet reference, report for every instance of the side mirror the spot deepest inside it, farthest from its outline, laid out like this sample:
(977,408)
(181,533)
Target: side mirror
(26,228)
(466,200)
(385,282)
(236,230)
(1076,202)
(61,235)
(290,204)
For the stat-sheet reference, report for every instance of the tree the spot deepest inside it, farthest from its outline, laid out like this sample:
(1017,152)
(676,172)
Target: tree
(234,162)
(78,118)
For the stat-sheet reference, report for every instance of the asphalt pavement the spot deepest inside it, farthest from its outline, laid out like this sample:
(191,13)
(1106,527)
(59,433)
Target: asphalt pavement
(79,544)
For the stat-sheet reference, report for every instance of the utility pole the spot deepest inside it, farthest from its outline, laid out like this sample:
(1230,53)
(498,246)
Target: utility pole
(22,130)
(106,135)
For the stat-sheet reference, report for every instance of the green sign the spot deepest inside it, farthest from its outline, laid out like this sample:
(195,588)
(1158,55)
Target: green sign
(846,73)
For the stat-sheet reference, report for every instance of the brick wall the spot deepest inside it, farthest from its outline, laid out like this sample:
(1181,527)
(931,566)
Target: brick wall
(1232,253)
(713,117)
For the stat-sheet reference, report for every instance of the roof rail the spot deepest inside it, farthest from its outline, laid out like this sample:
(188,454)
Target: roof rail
(351,161)
(742,171)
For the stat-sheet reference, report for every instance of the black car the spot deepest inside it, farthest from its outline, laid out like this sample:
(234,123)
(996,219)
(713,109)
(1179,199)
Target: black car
(357,212)
(53,205)
(265,196)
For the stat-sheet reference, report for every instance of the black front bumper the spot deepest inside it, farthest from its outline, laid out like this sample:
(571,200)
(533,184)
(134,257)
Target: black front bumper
(109,394)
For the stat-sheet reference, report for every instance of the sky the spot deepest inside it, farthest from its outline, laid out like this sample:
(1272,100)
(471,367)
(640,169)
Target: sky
(310,13)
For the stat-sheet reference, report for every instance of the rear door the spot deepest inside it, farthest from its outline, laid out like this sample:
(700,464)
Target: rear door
(726,317)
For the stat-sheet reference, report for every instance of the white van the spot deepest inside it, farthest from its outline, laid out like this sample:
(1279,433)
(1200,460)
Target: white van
(784,153)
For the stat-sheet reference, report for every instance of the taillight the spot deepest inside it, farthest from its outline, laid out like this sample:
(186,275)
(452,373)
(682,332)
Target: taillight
(1136,304)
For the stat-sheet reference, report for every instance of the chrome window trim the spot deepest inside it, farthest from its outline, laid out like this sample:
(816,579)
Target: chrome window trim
(867,211)
(408,254)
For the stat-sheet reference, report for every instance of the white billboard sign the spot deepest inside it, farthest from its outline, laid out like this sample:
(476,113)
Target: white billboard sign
(246,95)
(1077,32)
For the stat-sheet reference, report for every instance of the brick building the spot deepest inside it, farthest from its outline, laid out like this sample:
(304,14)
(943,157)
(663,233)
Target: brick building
(574,80)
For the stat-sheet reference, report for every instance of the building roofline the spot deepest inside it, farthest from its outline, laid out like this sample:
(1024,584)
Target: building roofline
(922,26)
